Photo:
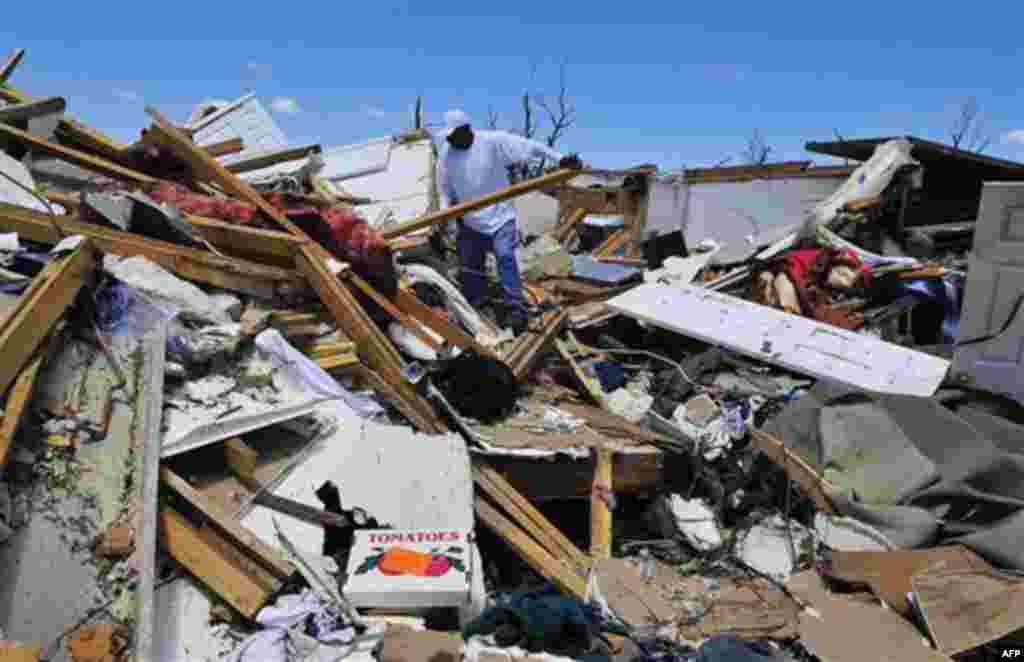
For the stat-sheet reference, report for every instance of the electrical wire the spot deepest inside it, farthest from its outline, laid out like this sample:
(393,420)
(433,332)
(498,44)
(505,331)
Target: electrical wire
(644,352)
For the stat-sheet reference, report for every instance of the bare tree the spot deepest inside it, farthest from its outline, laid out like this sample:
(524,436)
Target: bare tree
(418,114)
(529,128)
(969,131)
(757,150)
(492,118)
(560,111)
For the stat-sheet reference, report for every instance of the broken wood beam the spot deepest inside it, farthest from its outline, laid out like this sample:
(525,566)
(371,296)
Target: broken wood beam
(336,361)
(87,161)
(390,308)
(374,347)
(453,333)
(527,350)
(806,478)
(191,263)
(262,553)
(435,218)
(224,147)
(265,160)
(14,409)
(11,64)
(538,558)
(208,168)
(531,519)
(600,504)
(39,308)
(21,112)
(565,230)
(612,244)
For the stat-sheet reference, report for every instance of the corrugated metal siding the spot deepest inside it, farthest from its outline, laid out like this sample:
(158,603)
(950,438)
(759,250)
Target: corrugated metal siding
(252,123)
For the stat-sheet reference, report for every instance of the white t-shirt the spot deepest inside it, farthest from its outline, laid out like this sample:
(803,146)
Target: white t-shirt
(465,175)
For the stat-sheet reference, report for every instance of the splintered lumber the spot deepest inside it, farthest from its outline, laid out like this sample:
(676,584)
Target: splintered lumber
(435,218)
(617,240)
(374,347)
(600,507)
(335,361)
(39,308)
(211,558)
(89,162)
(264,160)
(453,333)
(194,264)
(208,168)
(10,64)
(538,558)
(398,315)
(531,519)
(260,552)
(565,230)
(527,350)
(818,489)
(225,147)
(17,400)
(20,112)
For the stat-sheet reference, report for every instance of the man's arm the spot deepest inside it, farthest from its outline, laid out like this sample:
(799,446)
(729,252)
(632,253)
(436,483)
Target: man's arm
(516,149)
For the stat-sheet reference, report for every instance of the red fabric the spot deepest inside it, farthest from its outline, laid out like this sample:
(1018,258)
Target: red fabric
(224,209)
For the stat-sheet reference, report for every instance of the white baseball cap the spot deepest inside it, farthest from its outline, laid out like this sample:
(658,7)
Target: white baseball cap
(453,119)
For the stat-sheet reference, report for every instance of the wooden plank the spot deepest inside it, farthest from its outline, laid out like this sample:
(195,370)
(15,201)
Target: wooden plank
(21,112)
(600,506)
(453,333)
(14,409)
(391,309)
(242,460)
(87,161)
(259,551)
(39,308)
(211,561)
(526,352)
(612,244)
(435,218)
(531,519)
(565,230)
(535,556)
(814,486)
(208,168)
(346,360)
(325,349)
(374,347)
(224,147)
(191,263)
(266,160)
(11,64)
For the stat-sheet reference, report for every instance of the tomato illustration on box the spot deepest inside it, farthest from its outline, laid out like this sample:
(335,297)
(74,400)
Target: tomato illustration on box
(428,568)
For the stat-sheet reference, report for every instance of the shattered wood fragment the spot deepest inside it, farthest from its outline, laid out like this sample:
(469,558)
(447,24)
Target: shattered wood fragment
(528,348)
(39,308)
(531,519)
(11,64)
(87,161)
(814,486)
(225,147)
(612,244)
(17,400)
(336,361)
(327,349)
(374,347)
(264,555)
(193,264)
(435,218)
(264,160)
(565,230)
(212,559)
(601,497)
(453,333)
(548,566)
(392,310)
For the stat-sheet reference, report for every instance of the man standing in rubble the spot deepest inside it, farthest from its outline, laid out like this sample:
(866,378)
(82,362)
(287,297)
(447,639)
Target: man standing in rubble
(474,164)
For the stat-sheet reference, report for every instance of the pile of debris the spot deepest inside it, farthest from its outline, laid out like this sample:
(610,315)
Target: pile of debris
(249,415)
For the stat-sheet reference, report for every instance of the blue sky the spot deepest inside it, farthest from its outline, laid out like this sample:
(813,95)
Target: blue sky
(683,84)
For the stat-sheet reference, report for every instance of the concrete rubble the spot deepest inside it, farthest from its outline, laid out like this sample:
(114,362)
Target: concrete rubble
(248,414)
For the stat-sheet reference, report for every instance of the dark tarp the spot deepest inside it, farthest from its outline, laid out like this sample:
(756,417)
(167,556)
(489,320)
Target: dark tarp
(915,469)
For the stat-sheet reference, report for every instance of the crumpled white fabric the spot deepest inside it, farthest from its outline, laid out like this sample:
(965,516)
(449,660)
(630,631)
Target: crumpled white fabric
(305,371)
(284,634)
(454,301)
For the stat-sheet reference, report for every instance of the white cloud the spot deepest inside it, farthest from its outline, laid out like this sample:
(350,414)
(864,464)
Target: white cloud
(1015,136)
(127,96)
(258,70)
(376,112)
(286,105)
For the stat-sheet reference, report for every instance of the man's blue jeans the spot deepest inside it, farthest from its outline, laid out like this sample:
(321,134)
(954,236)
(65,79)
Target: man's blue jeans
(473,247)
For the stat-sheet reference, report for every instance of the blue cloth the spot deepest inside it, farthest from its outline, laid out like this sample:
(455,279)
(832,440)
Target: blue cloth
(944,292)
(473,247)
(465,175)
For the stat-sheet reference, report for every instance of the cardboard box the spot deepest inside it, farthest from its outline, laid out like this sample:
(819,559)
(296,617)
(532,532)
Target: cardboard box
(409,569)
